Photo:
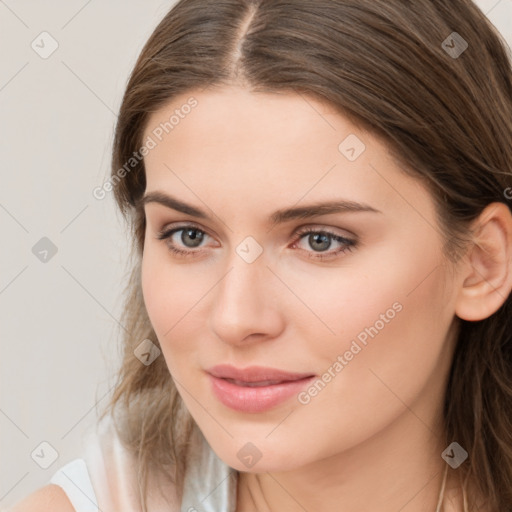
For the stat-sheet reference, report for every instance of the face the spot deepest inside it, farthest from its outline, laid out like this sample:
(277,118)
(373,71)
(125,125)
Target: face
(323,314)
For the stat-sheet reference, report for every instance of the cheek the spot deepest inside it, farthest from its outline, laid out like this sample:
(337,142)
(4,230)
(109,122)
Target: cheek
(154,282)
(391,314)
(375,295)
(172,296)
(391,333)
(391,336)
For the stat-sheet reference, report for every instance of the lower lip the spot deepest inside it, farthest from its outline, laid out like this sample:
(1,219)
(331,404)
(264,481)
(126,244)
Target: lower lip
(256,399)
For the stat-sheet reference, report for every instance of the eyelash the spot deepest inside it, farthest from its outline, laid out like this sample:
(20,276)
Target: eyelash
(349,244)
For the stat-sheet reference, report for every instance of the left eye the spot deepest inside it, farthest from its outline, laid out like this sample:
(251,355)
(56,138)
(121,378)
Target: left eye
(319,240)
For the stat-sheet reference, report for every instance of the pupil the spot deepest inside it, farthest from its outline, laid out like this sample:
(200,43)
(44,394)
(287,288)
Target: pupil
(320,238)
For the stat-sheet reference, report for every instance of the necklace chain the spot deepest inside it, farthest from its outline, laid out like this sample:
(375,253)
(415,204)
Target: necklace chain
(441,493)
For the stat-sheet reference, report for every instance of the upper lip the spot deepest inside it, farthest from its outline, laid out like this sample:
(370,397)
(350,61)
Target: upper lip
(254,373)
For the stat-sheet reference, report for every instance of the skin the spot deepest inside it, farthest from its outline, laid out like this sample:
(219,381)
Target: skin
(376,426)
(49,497)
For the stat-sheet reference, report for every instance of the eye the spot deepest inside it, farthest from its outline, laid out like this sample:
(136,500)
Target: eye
(191,238)
(184,241)
(321,240)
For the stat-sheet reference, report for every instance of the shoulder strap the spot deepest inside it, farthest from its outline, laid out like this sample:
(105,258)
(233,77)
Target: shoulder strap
(74,479)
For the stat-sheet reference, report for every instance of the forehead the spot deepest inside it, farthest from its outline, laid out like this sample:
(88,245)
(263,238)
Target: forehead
(253,120)
(232,126)
(231,143)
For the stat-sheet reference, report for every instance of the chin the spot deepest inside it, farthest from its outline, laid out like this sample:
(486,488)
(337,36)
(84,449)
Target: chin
(259,457)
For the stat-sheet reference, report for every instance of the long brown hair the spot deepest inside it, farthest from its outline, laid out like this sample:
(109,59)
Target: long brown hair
(433,79)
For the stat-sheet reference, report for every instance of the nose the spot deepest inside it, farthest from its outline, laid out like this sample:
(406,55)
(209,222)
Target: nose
(245,305)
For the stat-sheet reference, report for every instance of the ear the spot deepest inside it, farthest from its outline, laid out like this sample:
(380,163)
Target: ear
(487,275)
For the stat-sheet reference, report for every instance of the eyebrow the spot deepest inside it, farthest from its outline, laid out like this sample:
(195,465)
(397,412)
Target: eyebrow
(278,217)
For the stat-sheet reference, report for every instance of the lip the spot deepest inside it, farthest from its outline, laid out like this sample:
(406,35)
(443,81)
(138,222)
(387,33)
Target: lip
(256,388)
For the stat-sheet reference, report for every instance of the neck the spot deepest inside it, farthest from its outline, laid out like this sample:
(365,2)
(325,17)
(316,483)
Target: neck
(399,469)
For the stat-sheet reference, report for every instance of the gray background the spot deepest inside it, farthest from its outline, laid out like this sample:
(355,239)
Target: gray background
(59,328)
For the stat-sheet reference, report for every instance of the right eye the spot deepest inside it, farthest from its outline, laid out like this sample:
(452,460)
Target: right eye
(189,236)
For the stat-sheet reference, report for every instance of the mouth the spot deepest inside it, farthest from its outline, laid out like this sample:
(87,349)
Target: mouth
(255,389)
(255,384)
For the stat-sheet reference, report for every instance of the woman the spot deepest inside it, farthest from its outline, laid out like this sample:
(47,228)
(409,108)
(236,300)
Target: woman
(320,302)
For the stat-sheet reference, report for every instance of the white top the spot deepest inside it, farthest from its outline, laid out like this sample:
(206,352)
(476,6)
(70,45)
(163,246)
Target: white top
(105,479)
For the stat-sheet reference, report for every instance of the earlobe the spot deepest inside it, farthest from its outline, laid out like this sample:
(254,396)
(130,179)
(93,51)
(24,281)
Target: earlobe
(487,279)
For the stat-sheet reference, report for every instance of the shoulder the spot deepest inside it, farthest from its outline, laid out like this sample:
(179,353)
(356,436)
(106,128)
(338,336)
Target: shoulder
(49,497)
